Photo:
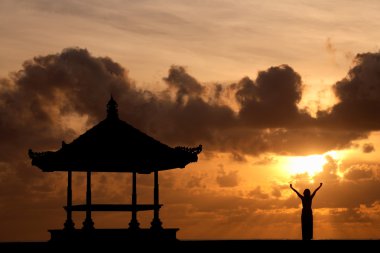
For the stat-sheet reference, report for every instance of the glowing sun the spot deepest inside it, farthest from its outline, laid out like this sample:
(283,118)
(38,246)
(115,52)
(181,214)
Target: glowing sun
(311,164)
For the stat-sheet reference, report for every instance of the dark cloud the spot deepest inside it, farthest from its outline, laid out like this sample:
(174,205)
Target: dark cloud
(302,141)
(278,189)
(195,182)
(357,174)
(359,97)
(271,101)
(227,179)
(349,215)
(183,84)
(258,193)
(368,148)
(191,123)
(237,157)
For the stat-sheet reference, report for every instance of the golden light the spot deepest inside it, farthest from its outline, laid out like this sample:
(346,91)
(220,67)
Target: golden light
(311,164)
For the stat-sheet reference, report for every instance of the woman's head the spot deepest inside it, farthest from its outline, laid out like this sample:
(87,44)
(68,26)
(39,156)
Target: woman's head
(306,192)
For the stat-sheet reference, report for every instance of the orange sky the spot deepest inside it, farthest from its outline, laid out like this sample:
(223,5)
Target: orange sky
(274,91)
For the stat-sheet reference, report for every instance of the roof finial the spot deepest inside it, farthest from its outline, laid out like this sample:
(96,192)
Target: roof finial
(112,112)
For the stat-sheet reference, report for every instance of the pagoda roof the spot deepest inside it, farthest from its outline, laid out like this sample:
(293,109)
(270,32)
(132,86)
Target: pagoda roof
(114,146)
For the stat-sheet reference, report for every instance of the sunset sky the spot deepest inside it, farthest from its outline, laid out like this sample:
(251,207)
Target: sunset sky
(277,92)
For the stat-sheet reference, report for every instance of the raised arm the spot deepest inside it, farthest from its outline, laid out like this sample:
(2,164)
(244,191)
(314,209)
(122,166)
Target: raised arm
(315,191)
(299,195)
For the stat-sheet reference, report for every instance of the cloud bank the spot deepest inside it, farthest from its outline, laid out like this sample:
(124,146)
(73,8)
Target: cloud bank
(247,117)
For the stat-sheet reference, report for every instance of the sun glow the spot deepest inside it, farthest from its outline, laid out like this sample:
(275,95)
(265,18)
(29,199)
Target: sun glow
(311,164)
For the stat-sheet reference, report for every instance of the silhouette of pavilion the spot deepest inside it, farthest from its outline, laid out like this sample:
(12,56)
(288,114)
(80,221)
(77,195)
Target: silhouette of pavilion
(113,146)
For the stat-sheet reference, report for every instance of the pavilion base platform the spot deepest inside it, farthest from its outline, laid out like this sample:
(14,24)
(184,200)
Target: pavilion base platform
(113,235)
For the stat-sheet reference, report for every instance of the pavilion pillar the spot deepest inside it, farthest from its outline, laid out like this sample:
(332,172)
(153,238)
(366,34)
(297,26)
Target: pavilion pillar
(156,223)
(134,224)
(69,224)
(88,223)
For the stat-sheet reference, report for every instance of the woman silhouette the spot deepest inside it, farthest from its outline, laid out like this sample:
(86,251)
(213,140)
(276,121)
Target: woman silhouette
(307,213)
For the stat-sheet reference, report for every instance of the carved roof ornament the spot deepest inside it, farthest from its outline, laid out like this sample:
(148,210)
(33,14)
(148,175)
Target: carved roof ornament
(112,112)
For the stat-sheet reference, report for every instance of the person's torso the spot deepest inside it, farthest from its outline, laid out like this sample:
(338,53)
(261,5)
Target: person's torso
(306,202)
